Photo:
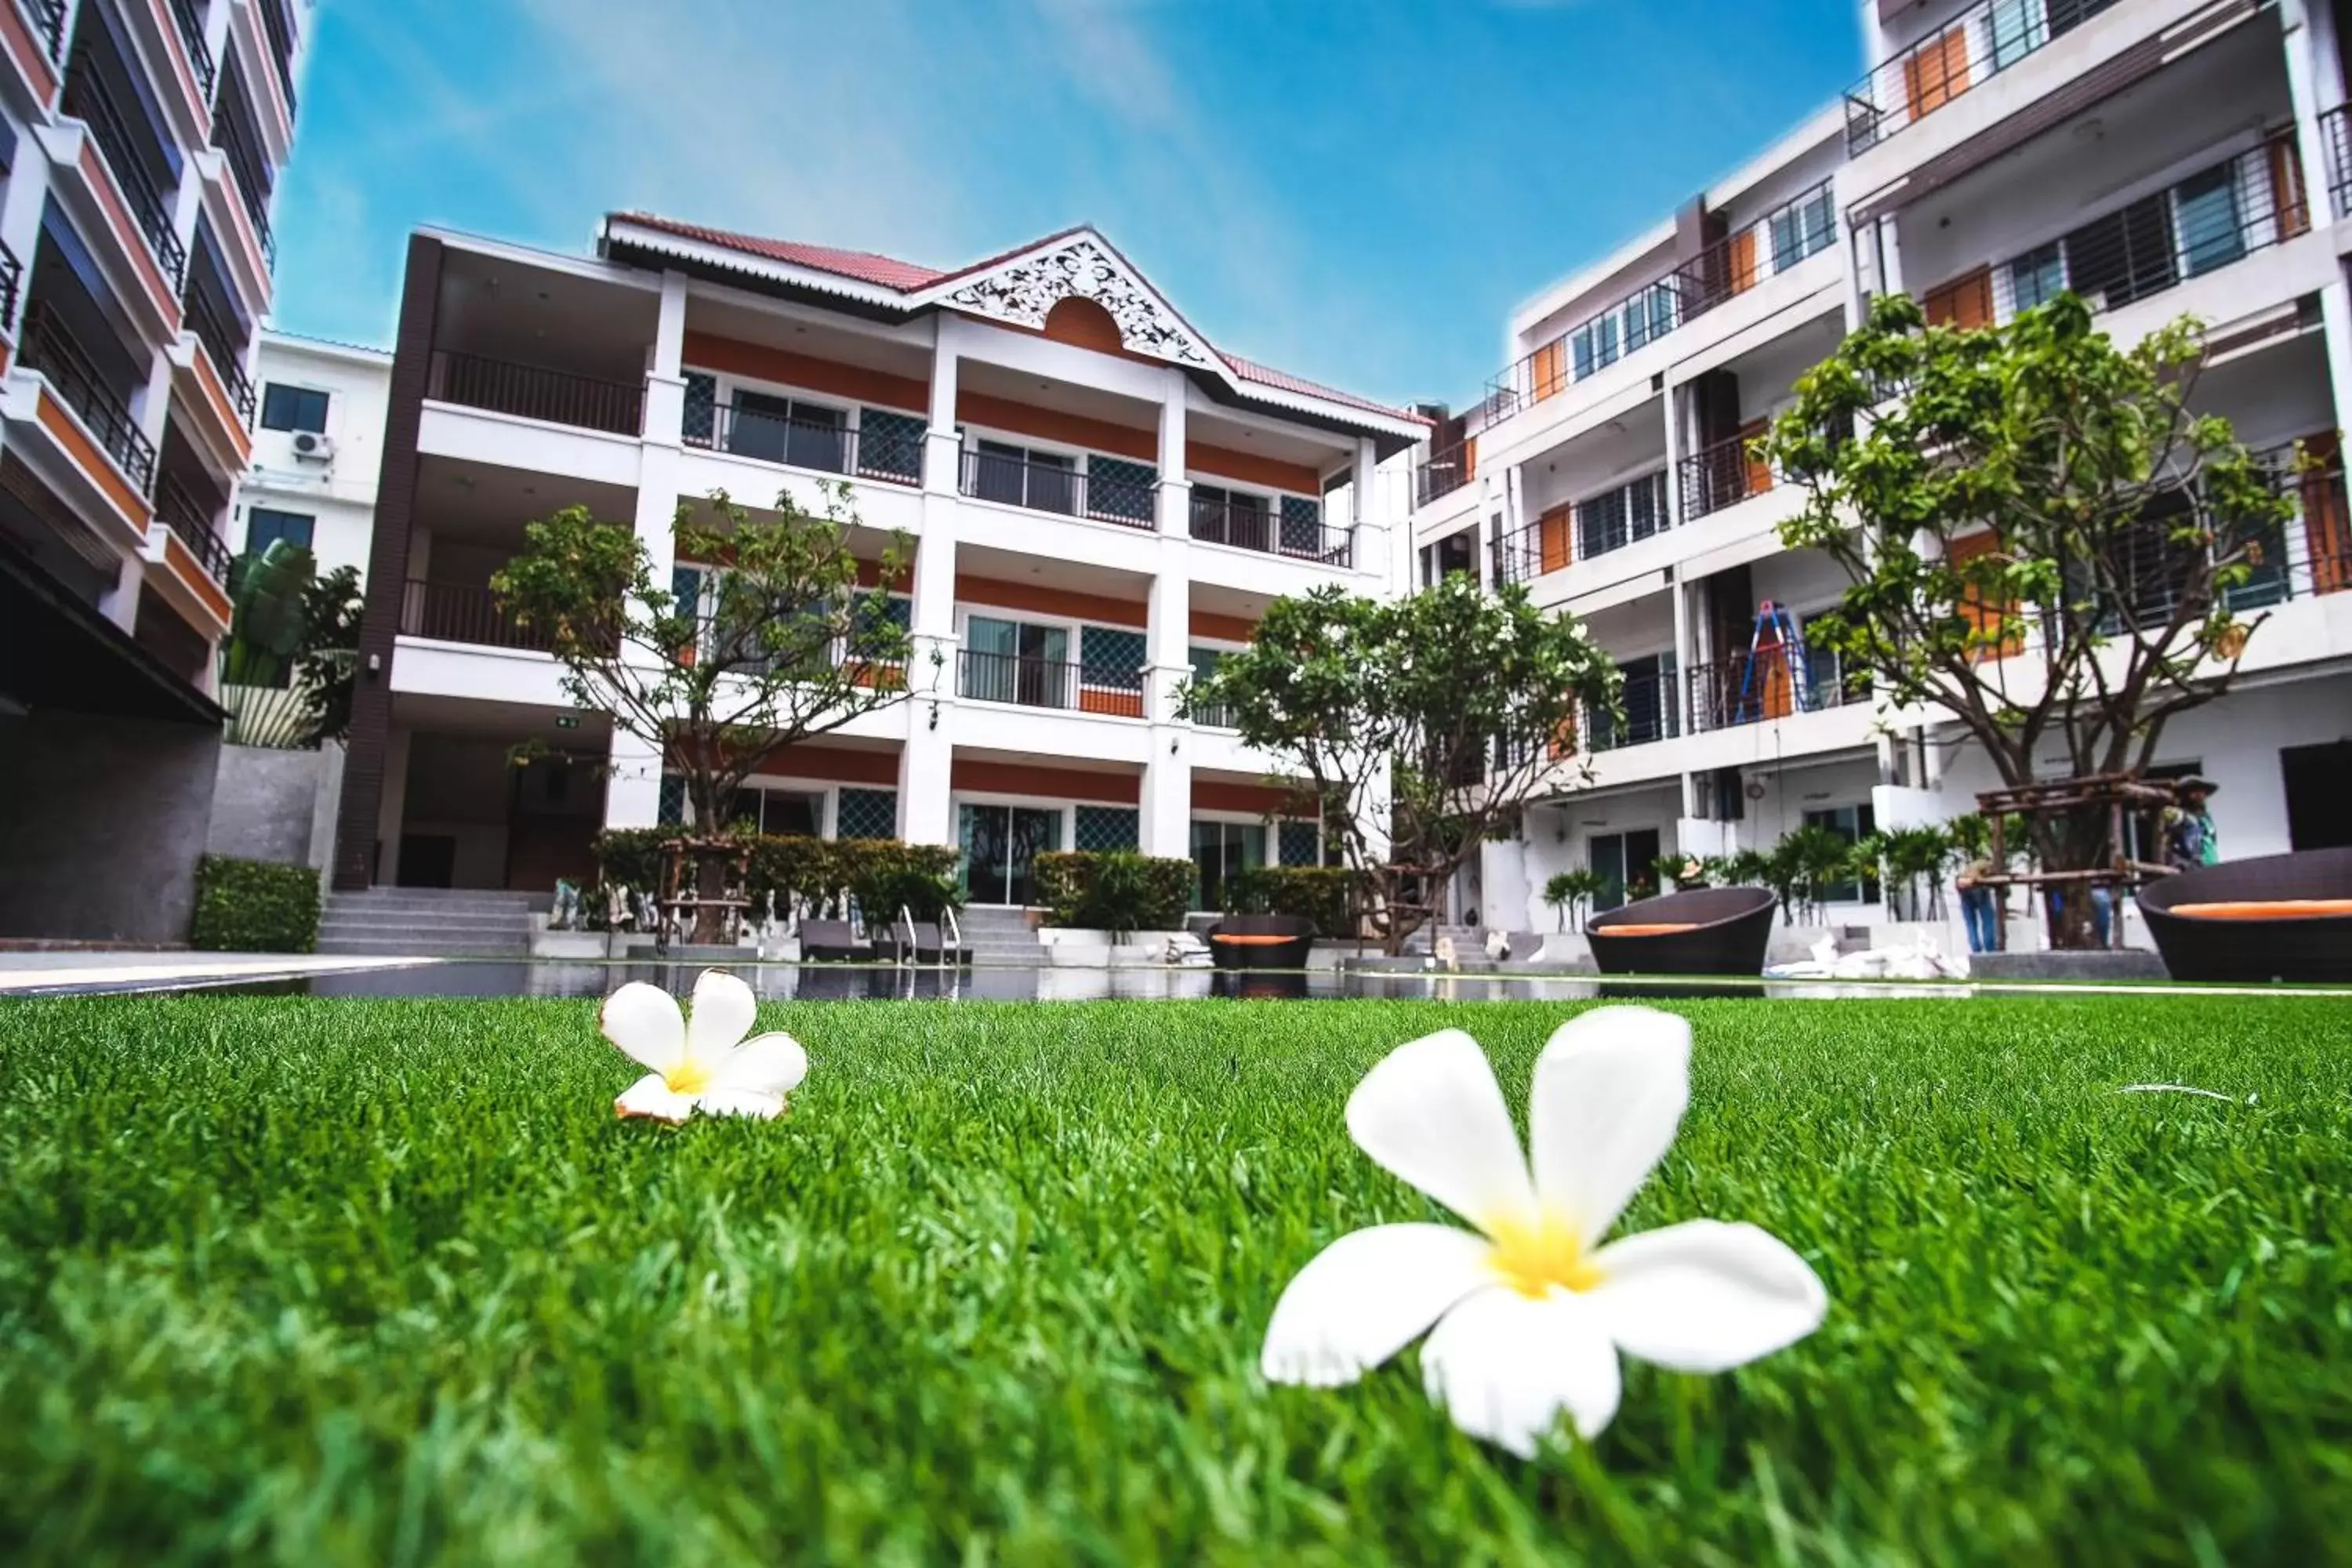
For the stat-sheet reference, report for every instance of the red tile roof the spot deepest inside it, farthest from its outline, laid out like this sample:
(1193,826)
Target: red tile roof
(908,277)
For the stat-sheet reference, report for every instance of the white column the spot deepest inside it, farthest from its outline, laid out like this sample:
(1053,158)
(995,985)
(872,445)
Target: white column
(665,383)
(1376,534)
(1166,825)
(1672,405)
(120,604)
(927,759)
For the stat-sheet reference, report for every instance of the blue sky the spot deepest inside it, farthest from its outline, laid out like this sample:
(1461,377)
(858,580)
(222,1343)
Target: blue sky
(1354,190)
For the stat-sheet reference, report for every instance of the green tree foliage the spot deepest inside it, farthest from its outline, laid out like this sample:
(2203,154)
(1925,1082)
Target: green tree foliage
(1436,716)
(268,594)
(779,645)
(2039,534)
(326,659)
(1568,891)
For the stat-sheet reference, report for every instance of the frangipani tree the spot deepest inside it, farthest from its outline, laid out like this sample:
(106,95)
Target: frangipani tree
(2040,536)
(1436,717)
(777,645)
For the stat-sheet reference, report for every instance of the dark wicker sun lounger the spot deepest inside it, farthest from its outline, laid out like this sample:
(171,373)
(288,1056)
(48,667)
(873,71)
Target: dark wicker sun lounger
(1261,942)
(831,940)
(2275,917)
(1710,930)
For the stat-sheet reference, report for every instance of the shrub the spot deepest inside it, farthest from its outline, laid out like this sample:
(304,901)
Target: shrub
(254,906)
(1113,890)
(1317,893)
(882,872)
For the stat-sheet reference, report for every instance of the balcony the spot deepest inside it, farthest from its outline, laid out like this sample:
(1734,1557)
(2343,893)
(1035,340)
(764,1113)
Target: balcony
(1128,499)
(1721,476)
(1783,239)
(11,283)
(48,347)
(1985,39)
(1062,684)
(1445,471)
(191,29)
(1649,711)
(2336,132)
(248,173)
(1296,530)
(87,100)
(32,38)
(2217,217)
(535,392)
(1767,684)
(453,612)
(221,348)
(886,447)
(179,510)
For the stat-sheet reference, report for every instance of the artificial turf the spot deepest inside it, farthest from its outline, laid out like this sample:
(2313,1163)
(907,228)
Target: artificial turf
(320,1281)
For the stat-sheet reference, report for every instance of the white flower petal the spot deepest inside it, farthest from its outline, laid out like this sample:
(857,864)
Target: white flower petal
(749,1102)
(1430,1112)
(650,1097)
(1366,1297)
(643,1021)
(724,1011)
(1505,1365)
(1705,1296)
(771,1064)
(1609,1090)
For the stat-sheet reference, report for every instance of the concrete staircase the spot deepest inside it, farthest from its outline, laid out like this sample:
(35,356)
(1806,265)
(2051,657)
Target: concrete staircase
(998,936)
(429,923)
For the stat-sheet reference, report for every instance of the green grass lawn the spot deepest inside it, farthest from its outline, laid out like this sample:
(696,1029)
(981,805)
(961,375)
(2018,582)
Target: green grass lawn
(385,1283)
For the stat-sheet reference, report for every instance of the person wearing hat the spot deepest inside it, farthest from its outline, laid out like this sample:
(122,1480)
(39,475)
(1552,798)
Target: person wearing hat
(2189,839)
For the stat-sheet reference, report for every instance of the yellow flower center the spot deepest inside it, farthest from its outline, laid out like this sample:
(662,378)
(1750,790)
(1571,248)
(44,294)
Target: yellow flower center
(1536,1260)
(688,1077)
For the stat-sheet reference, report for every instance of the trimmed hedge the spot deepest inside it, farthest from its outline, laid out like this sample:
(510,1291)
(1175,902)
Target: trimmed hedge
(1113,890)
(1317,894)
(880,871)
(254,906)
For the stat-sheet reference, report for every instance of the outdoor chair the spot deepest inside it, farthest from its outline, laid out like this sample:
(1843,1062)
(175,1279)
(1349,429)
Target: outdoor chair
(2275,917)
(1709,930)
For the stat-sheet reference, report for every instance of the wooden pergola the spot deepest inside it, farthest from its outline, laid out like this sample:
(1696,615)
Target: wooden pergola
(2119,796)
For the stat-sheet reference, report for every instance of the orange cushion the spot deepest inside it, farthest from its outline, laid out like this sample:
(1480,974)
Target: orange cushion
(2268,909)
(1642,931)
(1240,941)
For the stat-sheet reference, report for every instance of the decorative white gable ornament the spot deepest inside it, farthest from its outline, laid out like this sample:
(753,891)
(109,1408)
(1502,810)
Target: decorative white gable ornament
(1024,291)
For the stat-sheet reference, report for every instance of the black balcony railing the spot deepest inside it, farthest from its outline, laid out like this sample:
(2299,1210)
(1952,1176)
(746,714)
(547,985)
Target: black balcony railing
(50,21)
(2204,223)
(247,173)
(1286,525)
(1444,473)
(887,453)
(48,347)
(192,38)
(1650,710)
(280,26)
(535,392)
(1049,683)
(2336,132)
(87,100)
(1750,688)
(1126,495)
(222,349)
(1722,475)
(12,282)
(191,520)
(456,612)
(1981,43)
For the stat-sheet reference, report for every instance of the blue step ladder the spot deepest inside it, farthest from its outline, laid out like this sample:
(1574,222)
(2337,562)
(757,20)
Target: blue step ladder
(1776,634)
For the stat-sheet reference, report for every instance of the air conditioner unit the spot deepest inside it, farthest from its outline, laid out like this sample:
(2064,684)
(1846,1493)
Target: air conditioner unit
(317,448)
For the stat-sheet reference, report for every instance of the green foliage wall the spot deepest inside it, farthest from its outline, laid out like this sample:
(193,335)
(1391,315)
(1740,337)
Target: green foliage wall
(254,906)
(1114,889)
(1317,894)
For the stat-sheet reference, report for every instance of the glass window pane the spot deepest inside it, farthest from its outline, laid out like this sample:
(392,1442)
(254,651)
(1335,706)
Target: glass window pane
(2018,28)
(701,405)
(2206,212)
(2038,276)
(293,408)
(760,426)
(263,527)
(890,443)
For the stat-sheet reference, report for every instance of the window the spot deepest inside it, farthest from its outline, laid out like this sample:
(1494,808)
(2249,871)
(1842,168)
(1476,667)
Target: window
(2125,255)
(1017,661)
(1042,481)
(1128,492)
(1803,230)
(866,814)
(263,527)
(1108,828)
(293,408)
(2037,276)
(1299,844)
(1852,824)
(788,430)
(1222,851)
(1623,862)
(2018,28)
(1649,703)
(890,443)
(2205,211)
(1224,516)
(789,813)
(1617,517)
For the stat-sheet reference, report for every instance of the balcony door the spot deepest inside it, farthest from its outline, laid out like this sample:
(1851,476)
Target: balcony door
(1623,859)
(1222,851)
(1017,661)
(1001,846)
(788,430)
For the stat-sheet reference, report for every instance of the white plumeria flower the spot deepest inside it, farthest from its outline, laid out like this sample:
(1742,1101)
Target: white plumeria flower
(1531,1312)
(697,1061)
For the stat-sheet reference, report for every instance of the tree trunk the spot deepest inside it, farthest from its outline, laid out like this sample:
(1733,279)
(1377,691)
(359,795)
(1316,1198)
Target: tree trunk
(709,885)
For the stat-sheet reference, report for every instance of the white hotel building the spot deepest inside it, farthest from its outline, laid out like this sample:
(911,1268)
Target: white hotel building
(2161,158)
(1099,499)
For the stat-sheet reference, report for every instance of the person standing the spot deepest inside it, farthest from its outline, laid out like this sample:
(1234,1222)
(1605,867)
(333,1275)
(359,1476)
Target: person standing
(2191,840)
(1979,905)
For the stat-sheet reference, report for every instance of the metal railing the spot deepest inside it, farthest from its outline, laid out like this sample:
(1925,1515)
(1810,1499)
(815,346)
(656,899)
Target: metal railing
(1985,39)
(1214,716)
(1049,683)
(535,392)
(2336,134)
(805,444)
(280,29)
(87,100)
(222,349)
(1749,689)
(1623,516)
(1650,710)
(192,38)
(2215,217)
(1288,525)
(48,346)
(1444,473)
(12,282)
(1722,475)
(187,517)
(1789,235)
(49,18)
(1547,544)
(247,172)
(1112,496)
(455,612)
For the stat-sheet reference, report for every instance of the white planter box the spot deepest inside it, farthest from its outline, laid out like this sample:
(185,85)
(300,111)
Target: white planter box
(572,944)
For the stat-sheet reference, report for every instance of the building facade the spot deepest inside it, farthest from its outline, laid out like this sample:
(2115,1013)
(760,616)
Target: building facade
(318,445)
(1100,502)
(2157,157)
(140,147)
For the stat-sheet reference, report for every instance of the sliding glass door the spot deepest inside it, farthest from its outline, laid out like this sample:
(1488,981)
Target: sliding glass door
(1222,851)
(1000,845)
